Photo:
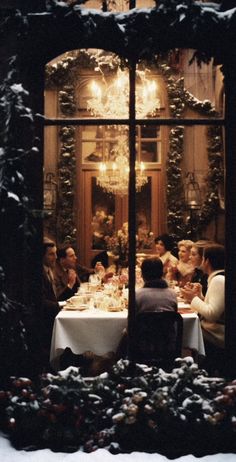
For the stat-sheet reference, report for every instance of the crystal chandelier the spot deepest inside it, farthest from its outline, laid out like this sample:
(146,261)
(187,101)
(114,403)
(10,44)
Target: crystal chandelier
(114,175)
(112,101)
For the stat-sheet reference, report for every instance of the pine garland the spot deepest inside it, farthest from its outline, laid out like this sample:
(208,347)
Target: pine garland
(179,99)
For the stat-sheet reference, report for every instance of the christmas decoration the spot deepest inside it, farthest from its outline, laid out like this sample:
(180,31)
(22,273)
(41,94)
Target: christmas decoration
(133,408)
(179,98)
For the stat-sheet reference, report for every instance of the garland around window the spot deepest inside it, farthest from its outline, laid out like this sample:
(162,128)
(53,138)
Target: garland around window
(62,72)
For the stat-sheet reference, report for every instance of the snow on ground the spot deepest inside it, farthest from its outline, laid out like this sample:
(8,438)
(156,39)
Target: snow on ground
(9,454)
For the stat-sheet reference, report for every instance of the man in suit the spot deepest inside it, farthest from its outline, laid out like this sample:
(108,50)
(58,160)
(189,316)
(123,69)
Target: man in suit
(65,276)
(50,304)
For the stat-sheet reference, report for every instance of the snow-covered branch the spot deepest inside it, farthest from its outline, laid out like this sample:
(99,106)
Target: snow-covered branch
(139,33)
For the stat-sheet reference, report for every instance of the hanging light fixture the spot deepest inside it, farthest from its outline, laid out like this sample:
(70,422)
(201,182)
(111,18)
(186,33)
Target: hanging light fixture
(112,101)
(193,203)
(193,192)
(114,175)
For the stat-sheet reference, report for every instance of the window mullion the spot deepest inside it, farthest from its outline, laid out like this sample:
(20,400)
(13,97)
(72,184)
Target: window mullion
(160,121)
(132,206)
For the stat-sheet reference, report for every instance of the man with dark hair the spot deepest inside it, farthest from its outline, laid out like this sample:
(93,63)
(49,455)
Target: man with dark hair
(49,300)
(66,278)
(211,307)
(155,295)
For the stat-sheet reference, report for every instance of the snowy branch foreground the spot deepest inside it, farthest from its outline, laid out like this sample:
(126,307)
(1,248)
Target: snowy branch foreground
(139,33)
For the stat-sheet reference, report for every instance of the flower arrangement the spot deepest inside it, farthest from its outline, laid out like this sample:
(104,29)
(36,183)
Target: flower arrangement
(118,243)
(102,227)
(144,240)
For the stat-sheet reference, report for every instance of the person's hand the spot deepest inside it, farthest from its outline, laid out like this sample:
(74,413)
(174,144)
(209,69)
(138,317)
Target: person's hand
(191,290)
(72,277)
(107,276)
(99,267)
(187,294)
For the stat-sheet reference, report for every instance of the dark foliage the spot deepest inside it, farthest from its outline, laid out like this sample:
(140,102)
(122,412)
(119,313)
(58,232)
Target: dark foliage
(17,145)
(133,408)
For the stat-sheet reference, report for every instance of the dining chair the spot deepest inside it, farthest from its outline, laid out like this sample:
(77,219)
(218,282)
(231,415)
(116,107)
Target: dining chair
(157,338)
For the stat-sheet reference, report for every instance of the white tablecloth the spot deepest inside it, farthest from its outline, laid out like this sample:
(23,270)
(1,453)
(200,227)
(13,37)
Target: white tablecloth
(100,331)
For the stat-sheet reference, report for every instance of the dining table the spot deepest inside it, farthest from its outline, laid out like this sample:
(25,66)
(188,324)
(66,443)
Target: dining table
(100,331)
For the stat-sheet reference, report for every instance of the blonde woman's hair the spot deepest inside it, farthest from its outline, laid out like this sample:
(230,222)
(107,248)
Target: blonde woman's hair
(185,243)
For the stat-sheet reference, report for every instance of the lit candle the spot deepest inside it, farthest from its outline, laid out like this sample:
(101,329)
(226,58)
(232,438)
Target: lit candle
(142,167)
(96,90)
(102,168)
(153,87)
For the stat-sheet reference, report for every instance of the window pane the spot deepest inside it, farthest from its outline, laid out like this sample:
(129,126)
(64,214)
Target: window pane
(150,151)
(150,131)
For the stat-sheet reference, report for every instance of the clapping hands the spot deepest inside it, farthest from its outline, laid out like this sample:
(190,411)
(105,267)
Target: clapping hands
(191,290)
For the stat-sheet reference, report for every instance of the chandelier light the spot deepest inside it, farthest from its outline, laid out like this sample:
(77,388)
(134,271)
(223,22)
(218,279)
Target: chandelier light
(111,100)
(114,175)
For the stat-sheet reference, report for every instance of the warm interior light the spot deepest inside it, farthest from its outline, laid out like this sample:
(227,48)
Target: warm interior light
(112,101)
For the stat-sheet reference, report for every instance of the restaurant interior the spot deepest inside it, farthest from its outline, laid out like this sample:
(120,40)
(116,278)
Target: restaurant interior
(179,170)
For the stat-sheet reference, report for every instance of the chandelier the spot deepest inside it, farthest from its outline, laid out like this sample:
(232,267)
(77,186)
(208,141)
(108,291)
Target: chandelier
(114,175)
(111,100)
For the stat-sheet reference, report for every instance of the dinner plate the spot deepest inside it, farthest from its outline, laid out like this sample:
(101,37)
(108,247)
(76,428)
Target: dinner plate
(184,310)
(114,308)
(81,307)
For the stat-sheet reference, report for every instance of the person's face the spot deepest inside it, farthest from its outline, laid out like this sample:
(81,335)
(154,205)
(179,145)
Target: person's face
(50,257)
(70,260)
(206,267)
(195,258)
(160,248)
(183,254)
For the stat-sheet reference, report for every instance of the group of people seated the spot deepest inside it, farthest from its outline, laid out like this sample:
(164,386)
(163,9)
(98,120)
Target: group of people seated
(62,275)
(198,272)
(188,266)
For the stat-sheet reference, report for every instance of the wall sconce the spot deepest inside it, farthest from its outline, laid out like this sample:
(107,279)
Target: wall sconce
(193,203)
(49,192)
(192,192)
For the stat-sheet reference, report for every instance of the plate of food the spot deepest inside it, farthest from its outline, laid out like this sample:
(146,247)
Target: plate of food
(80,307)
(114,308)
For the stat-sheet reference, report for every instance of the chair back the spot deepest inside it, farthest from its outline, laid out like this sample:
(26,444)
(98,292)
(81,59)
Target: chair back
(158,337)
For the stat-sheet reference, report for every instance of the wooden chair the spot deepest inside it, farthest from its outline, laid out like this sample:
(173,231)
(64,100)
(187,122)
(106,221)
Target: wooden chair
(158,338)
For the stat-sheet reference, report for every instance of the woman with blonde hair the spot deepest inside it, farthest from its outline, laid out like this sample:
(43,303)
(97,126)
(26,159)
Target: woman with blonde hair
(196,258)
(184,268)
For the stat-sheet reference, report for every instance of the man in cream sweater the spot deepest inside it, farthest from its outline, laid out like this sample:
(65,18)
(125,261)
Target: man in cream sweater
(210,308)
